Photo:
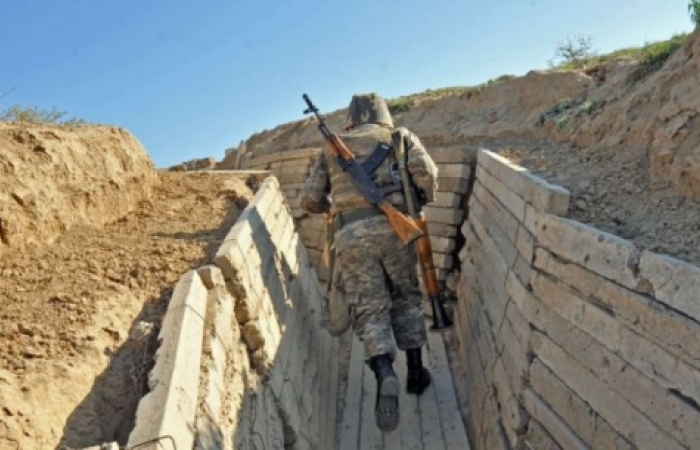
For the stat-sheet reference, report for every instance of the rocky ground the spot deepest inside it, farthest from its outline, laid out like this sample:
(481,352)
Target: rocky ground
(78,317)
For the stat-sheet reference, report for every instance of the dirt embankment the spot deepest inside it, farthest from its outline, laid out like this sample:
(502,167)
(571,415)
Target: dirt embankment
(55,177)
(79,316)
(629,152)
(507,109)
(658,117)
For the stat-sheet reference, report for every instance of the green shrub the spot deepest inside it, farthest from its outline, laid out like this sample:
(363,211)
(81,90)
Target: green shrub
(400,104)
(573,52)
(638,53)
(586,107)
(562,122)
(406,102)
(653,57)
(34,114)
(560,106)
(500,79)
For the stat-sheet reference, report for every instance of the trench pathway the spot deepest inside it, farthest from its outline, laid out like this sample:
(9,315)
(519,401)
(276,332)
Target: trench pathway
(431,421)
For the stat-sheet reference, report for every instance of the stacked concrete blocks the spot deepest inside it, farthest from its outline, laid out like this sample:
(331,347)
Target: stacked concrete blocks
(572,337)
(634,336)
(446,213)
(292,168)
(233,400)
(278,304)
(169,408)
(495,337)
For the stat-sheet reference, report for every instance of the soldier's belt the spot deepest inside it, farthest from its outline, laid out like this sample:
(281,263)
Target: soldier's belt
(346,218)
(342,219)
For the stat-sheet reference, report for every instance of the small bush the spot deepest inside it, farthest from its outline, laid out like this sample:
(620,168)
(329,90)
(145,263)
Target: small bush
(34,114)
(586,107)
(500,79)
(653,57)
(400,104)
(638,53)
(560,106)
(562,122)
(573,52)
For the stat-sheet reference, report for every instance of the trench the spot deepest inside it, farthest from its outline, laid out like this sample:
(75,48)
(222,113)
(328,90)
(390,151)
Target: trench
(549,316)
(264,374)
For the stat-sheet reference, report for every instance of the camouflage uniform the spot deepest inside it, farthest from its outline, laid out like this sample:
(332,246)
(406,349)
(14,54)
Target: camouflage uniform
(379,273)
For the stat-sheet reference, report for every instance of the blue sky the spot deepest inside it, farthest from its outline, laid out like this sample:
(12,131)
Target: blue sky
(192,78)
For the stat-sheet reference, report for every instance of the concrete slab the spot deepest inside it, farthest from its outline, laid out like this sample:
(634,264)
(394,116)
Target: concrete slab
(169,408)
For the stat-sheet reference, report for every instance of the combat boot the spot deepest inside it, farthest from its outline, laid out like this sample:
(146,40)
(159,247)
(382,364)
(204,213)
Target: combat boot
(386,408)
(418,376)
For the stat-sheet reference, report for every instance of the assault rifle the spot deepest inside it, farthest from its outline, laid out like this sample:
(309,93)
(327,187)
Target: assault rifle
(405,227)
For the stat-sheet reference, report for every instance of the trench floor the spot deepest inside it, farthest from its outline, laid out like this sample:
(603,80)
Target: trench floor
(431,421)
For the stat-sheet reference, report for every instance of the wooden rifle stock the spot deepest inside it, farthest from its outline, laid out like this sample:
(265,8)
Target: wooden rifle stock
(405,228)
(338,147)
(425,254)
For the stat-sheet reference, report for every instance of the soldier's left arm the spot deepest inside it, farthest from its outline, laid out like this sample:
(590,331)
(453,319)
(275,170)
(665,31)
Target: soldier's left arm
(315,190)
(421,166)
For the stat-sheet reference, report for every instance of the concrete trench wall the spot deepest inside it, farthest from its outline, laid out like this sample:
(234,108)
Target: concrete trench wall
(565,337)
(291,169)
(568,336)
(242,361)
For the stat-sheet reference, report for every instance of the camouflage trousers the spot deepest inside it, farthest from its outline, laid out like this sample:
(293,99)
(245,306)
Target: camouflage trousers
(379,277)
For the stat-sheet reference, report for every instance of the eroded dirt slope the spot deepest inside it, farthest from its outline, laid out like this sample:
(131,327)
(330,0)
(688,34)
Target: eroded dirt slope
(69,372)
(658,117)
(53,177)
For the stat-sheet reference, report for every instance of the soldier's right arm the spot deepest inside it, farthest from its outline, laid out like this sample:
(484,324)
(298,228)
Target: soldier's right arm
(314,193)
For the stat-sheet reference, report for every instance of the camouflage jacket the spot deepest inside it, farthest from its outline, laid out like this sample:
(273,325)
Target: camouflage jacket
(330,189)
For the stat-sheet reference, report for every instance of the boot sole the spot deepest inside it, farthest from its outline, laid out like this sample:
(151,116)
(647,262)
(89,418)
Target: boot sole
(388,400)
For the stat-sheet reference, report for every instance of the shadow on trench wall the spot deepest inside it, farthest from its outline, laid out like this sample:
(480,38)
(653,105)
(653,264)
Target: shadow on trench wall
(265,380)
(107,413)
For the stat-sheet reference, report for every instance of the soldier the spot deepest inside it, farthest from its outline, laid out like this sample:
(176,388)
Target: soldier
(379,275)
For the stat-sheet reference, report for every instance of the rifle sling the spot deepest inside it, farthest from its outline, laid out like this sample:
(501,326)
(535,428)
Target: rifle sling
(376,158)
(370,165)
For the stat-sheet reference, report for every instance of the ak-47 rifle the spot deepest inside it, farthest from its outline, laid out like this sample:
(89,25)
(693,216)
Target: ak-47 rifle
(405,227)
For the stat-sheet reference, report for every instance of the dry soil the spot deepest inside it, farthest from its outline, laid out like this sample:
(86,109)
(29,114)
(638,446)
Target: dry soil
(78,317)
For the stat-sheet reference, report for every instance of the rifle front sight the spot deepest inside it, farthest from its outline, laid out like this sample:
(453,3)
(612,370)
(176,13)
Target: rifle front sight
(311,107)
